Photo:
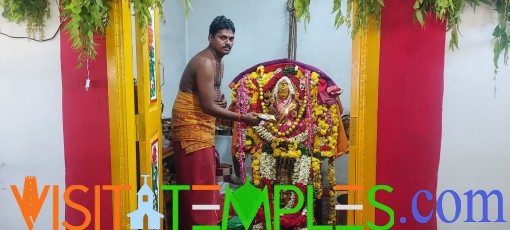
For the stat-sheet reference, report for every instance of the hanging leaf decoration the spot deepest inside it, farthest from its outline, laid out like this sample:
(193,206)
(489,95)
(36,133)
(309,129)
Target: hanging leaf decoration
(86,18)
(34,13)
(450,11)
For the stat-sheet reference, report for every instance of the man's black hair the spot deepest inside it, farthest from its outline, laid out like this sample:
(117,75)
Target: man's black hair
(220,23)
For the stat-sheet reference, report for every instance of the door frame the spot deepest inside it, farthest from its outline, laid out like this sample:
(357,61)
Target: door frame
(122,108)
(363,121)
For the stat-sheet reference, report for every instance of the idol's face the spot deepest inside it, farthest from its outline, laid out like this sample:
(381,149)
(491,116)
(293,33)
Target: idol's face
(283,90)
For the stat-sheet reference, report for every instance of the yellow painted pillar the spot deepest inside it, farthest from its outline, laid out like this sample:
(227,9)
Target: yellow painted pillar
(122,107)
(363,123)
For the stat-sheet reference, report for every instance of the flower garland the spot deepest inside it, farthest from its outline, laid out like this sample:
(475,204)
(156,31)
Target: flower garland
(300,178)
(302,170)
(309,109)
(267,136)
(317,177)
(332,183)
(242,107)
(255,165)
(267,167)
(327,119)
(281,148)
(285,149)
(304,151)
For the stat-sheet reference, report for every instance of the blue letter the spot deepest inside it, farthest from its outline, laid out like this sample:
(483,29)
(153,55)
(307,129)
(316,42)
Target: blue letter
(469,194)
(440,211)
(416,214)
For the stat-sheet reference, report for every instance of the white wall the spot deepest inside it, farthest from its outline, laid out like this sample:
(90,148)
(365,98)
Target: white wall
(31,136)
(475,151)
(261,35)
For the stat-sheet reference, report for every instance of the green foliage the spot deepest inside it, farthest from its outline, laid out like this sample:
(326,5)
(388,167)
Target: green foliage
(445,10)
(364,10)
(84,19)
(303,10)
(448,11)
(451,10)
(33,12)
(87,18)
(187,7)
(502,30)
(143,9)
(340,18)
(289,70)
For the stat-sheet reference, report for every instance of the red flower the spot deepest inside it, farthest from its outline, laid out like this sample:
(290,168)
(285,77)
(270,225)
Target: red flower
(325,148)
(154,154)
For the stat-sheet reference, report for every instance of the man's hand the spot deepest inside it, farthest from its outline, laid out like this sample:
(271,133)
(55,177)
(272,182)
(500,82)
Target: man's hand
(250,119)
(222,102)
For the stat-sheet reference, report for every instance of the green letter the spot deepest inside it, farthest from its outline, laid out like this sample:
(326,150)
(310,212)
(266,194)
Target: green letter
(175,201)
(277,210)
(371,199)
(246,202)
(309,211)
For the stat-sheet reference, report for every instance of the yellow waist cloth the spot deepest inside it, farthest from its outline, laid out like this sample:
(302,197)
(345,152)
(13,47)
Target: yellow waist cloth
(190,125)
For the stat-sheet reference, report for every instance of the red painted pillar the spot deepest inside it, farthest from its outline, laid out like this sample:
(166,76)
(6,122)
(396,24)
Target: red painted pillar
(86,132)
(410,112)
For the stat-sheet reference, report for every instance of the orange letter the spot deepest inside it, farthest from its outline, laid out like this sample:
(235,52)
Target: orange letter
(31,203)
(116,202)
(55,207)
(84,210)
(97,207)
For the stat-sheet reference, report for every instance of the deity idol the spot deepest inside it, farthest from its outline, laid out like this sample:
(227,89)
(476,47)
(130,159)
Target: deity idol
(286,105)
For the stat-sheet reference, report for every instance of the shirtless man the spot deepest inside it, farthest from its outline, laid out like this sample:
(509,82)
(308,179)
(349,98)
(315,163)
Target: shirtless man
(195,110)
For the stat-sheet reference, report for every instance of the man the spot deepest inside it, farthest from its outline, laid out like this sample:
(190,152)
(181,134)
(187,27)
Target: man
(198,104)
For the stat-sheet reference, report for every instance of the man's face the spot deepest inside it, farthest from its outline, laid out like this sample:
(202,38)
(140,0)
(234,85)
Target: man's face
(222,41)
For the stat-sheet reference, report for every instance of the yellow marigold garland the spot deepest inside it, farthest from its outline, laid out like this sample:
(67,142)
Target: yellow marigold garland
(317,178)
(332,183)
(255,165)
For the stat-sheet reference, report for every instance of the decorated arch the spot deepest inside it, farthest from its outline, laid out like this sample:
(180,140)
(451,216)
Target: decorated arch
(307,130)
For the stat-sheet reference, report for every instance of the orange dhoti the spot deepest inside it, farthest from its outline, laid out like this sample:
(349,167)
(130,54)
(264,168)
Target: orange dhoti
(193,135)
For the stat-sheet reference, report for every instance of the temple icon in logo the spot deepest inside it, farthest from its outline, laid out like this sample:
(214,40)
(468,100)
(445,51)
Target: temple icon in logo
(145,201)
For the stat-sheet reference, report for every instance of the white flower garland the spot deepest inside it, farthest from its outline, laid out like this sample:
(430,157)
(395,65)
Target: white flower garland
(301,175)
(259,226)
(290,204)
(267,166)
(269,137)
(302,170)
(264,134)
